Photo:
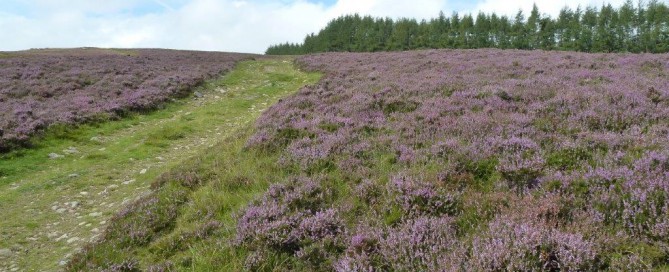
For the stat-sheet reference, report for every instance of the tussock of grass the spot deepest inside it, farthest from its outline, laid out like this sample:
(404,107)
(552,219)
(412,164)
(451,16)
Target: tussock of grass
(164,135)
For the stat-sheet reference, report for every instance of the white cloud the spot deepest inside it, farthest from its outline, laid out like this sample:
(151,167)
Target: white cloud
(222,25)
(226,25)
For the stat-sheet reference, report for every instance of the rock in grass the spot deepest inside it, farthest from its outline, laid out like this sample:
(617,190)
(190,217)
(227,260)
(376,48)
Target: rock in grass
(128,182)
(95,214)
(54,156)
(5,252)
(71,150)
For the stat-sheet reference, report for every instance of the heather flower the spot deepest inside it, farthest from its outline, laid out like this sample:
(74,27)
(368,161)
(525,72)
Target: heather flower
(416,245)
(322,224)
(419,197)
(405,154)
(513,245)
(289,219)
(126,265)
(368,191)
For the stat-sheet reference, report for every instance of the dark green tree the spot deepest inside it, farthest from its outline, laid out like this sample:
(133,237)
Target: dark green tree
(455,40)
(519,33)
(588,27)
(482,31)
(403,34)
(467,31)
(605,35)
(533,28)
(546,35)
(627,28)
(564,32)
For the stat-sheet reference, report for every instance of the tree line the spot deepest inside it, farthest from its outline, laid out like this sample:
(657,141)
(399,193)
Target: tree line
(632,27)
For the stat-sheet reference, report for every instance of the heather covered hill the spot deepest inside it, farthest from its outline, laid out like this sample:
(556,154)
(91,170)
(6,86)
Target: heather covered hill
(61,194)
(39,88)
(437,160)
(479,160)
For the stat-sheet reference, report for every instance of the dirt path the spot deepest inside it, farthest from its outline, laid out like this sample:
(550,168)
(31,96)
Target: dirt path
(73,187)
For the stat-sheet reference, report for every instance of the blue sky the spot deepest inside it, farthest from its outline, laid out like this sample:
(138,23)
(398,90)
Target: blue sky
(33,9)
(220,25)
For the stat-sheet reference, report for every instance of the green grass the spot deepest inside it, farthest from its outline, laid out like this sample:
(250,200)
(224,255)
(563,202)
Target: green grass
(229,177)
(117,161)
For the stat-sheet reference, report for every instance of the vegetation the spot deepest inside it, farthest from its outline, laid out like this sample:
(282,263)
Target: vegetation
(51,208)
(470,160)
(466,160)
(424,160)
(629,28)
(40,88)
(183,222)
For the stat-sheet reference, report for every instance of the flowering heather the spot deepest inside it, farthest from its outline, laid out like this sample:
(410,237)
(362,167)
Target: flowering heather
(290,219)
(529,238)
(418,198)
(39,88)
(533,161)
(416,245)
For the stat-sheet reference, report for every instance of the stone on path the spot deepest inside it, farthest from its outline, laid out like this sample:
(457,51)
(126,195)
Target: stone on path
(128,182)
(54,156)
(70,150)
(94,214)
(5,252)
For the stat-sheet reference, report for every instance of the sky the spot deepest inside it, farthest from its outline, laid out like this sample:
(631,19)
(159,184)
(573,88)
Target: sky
(215,25)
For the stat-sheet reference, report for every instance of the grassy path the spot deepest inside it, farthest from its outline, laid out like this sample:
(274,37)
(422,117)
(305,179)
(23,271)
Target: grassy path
(50,207)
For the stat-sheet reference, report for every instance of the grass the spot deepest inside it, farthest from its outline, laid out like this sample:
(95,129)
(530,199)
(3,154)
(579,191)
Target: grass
(114,163)
(228,178)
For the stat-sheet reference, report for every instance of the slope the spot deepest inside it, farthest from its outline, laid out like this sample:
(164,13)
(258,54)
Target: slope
(61,195)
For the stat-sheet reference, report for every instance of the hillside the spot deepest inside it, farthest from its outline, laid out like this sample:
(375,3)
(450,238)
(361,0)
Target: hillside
(471,160)
(43,87)
(64,191)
